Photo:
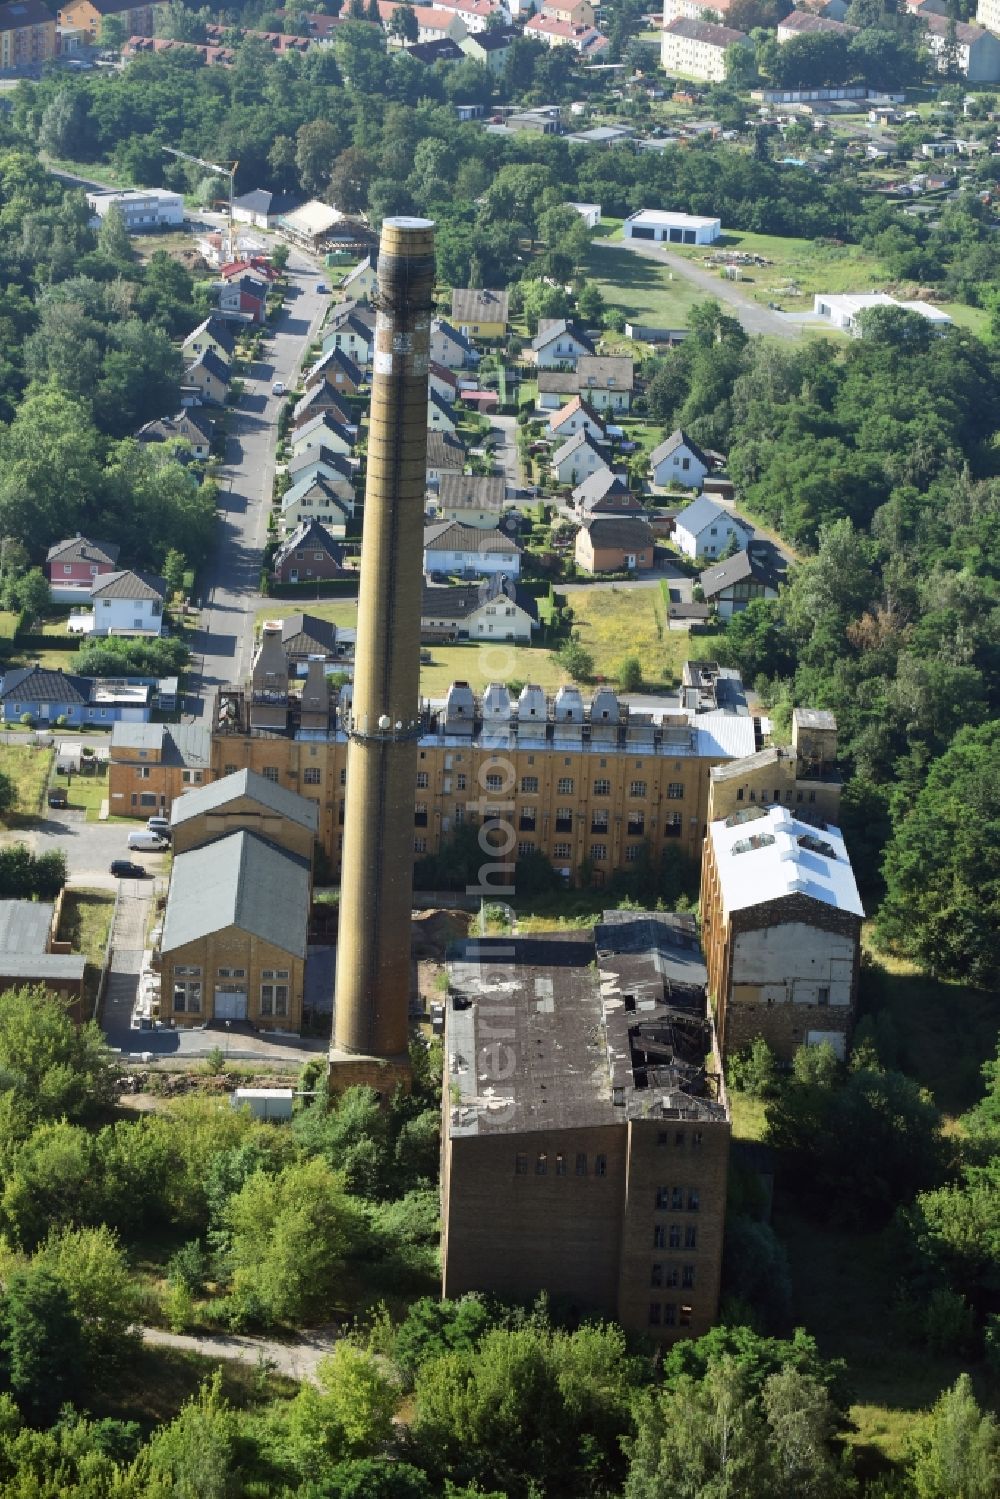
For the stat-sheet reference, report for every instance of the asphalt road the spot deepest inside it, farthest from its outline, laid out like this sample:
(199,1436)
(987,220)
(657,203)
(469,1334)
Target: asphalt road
(231,594)
(755,319)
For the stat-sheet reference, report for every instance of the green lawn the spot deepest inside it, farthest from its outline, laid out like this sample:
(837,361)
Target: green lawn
(646,291)
(8,624)
(617,622)
(28,766)
(86,921)
(341,611)
(800,268)
(477,663)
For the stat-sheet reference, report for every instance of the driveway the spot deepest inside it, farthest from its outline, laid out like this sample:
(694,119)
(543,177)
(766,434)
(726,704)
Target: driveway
(754,317)
(298,1359)
(230,584)
(503,433)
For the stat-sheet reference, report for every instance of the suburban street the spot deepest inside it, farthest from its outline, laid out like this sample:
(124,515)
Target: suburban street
(221,647)
(754,317)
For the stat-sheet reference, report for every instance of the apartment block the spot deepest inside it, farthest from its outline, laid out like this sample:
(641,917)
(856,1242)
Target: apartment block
(586,1138)
(27,34)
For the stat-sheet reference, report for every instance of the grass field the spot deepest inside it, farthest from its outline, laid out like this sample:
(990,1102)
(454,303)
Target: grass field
(86,921)
(8,624)
(340,611)
(617,622)
(477,663)
(644,290)
(800,263)
(28,767)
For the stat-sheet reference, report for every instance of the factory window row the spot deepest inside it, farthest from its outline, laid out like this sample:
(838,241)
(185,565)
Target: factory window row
(679,1138)
(799,796)
(671,1275)
(668,1314)
(676,1199)
(560,1164)
(665,1237)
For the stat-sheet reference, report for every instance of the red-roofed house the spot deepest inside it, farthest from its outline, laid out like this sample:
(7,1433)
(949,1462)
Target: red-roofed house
(584,39)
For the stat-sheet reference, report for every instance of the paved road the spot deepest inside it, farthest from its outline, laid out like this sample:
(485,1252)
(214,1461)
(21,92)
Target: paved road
(754,317)
(231,596)
(298,1360)
(503,430)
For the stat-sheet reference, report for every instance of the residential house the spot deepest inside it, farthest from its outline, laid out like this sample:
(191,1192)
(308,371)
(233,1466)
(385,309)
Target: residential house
(604,493)
(321,397)
(235,932)
(214,334)
(976,51)
(781,928)
(306,637)
(361,284)
(428,53)
(578,457)
(308,555)
(354,335)
(47,696)
(260,208)
(337,369)
(697,49)
(559,344)
(86,16)
(440,417)
(754,573)
(153,763)
(987,14)
(434,23)
(322,431)
(469,551)
(807,23)
(586,40)
(479,312)
(615,544)
(209,377)
(27,34)
(192,425)
(324,463)
(243,299)
(679,460)
(606,381)
(444,382)
(128,603)
(576,12)
(72,565)
(705,529)
(244,801)
(494,609)
(316,498)
(445,455)
(472,499)
(576,416)
(490,49)
(451,348)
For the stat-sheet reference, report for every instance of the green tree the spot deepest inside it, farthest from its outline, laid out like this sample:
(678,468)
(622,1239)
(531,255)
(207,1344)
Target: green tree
(404,23)
(630,674)
(49,467)
(33,594)
(575,659)
(53,1067)
(113,239)
(195,1456)
(105,1299)
(41,1341)
(349,1415)
(942,865)
(8,795)
(957,1452)
(316,146)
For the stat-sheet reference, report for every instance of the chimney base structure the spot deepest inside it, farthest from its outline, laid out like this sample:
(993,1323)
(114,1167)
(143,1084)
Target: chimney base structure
(372,1000)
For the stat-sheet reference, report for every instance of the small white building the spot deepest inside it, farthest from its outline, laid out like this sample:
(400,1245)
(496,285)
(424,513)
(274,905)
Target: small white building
(843,311)
(128,603)
(679,460)
(577,459)
(672,228)
(559,344)
(705,529)
(590,213)
(141,208)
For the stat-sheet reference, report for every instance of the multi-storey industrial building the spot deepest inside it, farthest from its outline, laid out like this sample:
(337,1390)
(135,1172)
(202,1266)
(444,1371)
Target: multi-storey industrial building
(586,1129)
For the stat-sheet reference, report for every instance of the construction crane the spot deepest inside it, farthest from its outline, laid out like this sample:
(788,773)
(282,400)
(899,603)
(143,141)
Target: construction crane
(221,170)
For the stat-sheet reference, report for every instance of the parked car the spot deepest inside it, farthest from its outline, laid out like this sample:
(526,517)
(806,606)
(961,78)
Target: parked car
(147,842)
(57,797)
(322,288)
(158,825)
(278,388)
(124,869)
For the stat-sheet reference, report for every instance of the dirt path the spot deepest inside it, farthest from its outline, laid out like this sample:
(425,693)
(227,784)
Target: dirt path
(298,1360)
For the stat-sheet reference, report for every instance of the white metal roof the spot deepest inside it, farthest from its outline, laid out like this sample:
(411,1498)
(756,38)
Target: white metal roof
(764,858)
(657,217)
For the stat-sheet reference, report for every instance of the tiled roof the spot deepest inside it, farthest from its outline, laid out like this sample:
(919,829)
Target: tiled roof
(478,304)
(624,531)
(82,549)
(473,491)
(705,31)
(130,585)
(678,438)
(452,536)
(35,684)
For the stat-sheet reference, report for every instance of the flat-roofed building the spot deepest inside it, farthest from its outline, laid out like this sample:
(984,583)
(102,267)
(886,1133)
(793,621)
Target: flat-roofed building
(781,927)
(671,228)
(586,1128)
(846,311)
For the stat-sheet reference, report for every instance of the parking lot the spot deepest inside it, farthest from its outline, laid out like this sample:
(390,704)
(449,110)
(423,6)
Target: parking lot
(89,846)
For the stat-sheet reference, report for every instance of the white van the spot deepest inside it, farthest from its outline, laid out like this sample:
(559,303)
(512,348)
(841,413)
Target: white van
(150,843)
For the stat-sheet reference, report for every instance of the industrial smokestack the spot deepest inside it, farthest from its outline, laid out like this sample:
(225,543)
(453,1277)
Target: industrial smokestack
(376,894)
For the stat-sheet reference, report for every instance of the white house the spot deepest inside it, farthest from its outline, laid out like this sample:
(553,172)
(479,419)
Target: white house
(352,335)
(577,458)
(704,529)
(362,283)
(495,609)
(575,417)
(322,431)
(468,551)
(679,460)
(844,311)
(671,228)
(976,52)
(559,342)
(605,381)
(317,498)
(451,348)
(473,499)
(128,603)
(141,208)
(697,48)
(590,213)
